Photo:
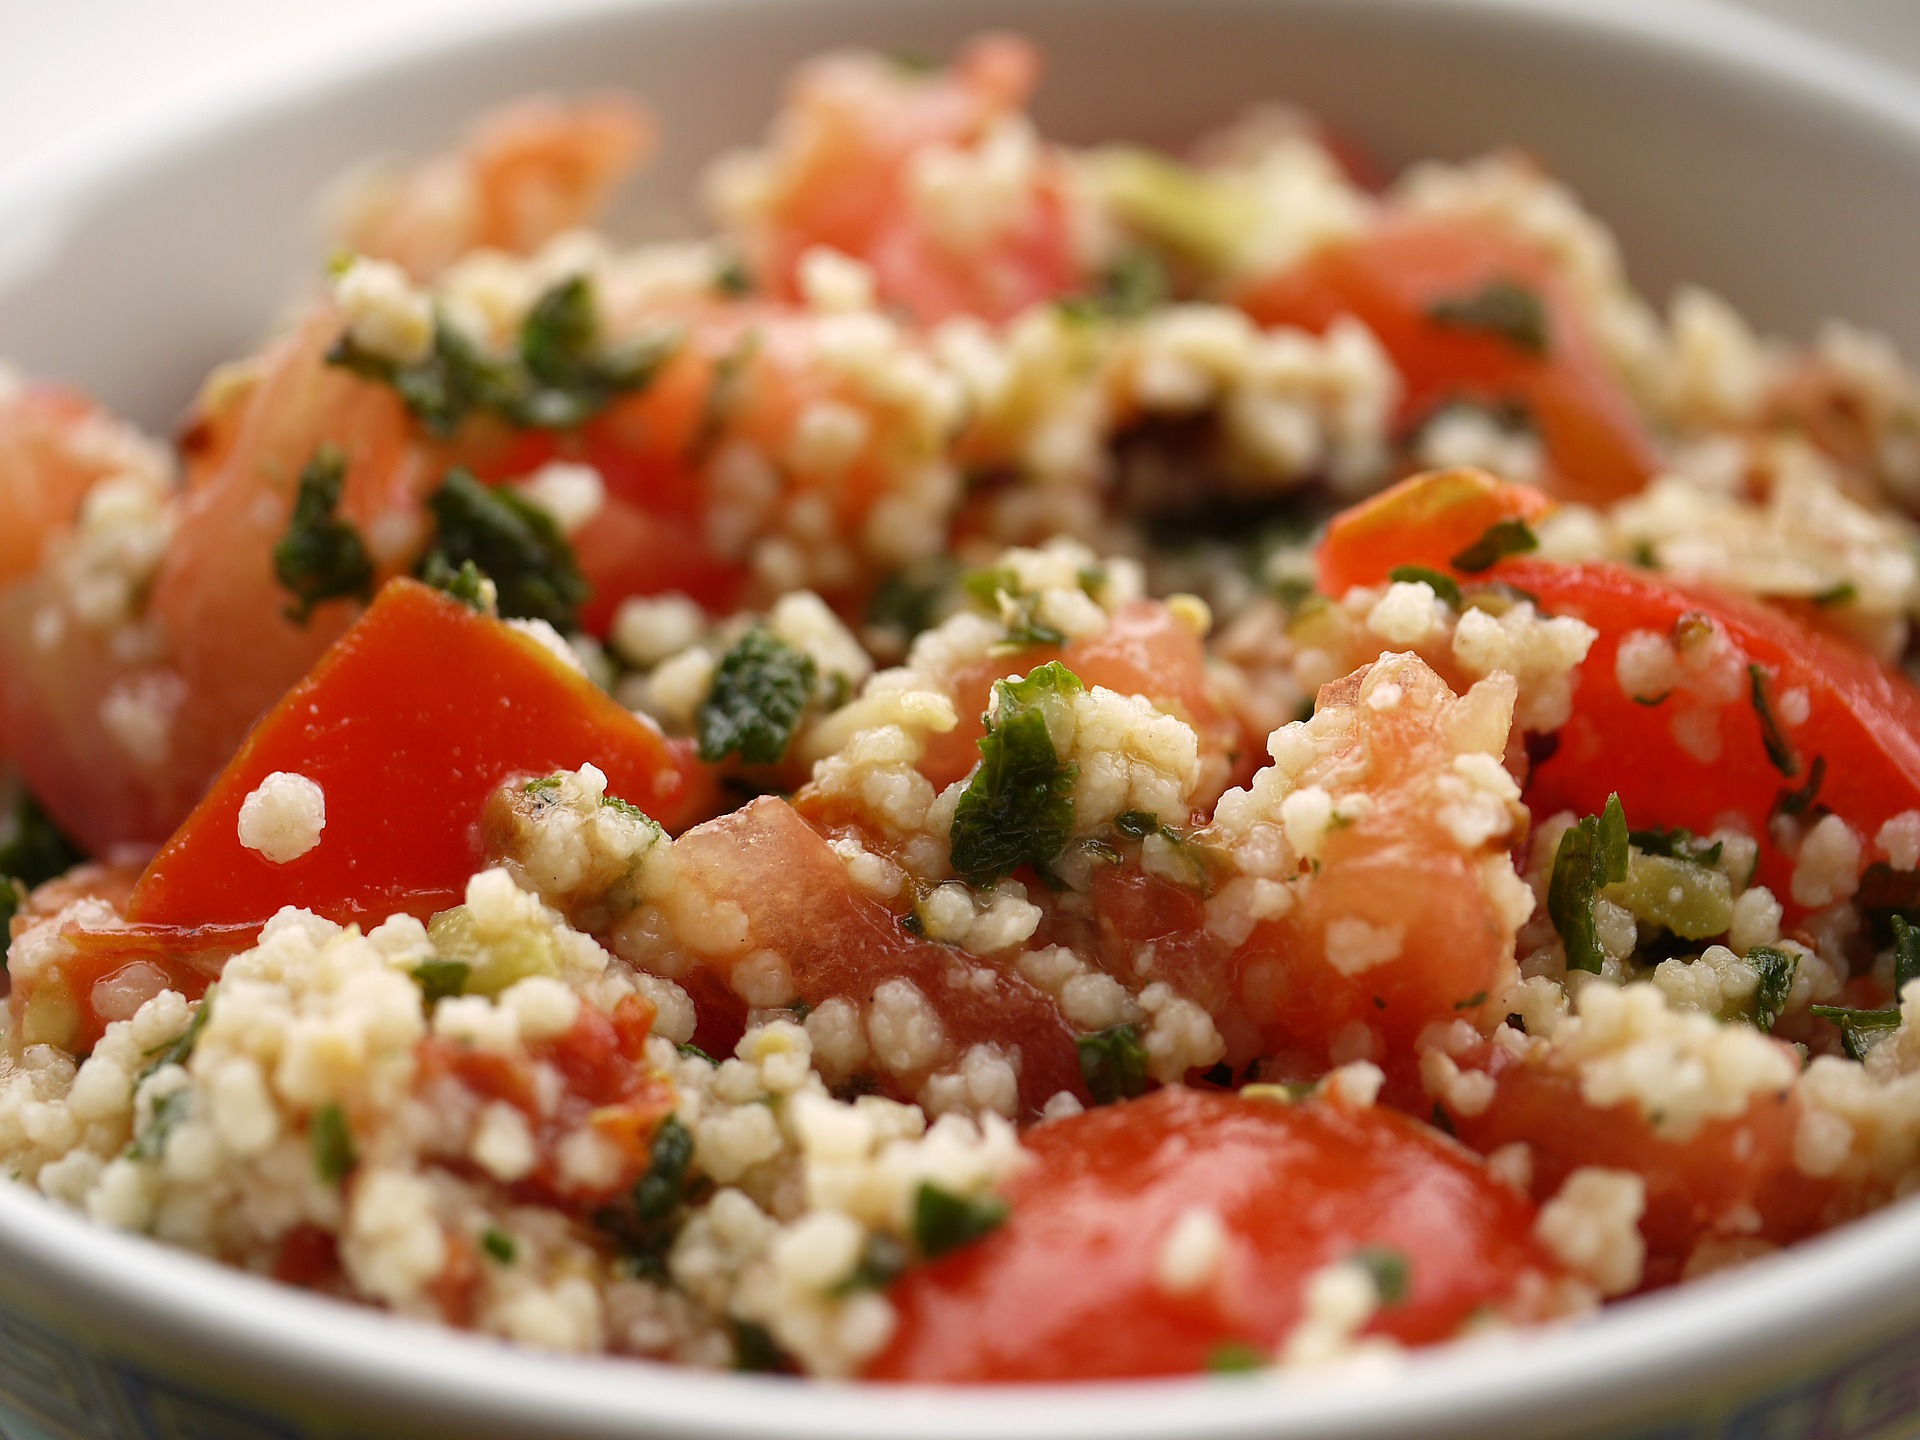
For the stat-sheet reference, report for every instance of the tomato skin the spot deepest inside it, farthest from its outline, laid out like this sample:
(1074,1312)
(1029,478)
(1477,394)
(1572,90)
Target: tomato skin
(1864,720)
(189,957)
(407,725)
(1391,278)
(1729,1168)
(839,942)
(1424,520)
(1066,1288)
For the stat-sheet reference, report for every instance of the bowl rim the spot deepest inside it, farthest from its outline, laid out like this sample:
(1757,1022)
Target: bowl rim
(1848,1288)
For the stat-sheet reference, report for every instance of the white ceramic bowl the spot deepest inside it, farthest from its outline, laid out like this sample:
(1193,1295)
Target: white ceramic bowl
(1722,148)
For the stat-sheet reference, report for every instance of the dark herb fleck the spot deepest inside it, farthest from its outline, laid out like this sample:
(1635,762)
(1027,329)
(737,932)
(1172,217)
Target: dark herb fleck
(754,1349)
(467,584)
(882,1259)
(1857,1025)
(1592,855)
(1113,1062)
(499,1245)
(1677,844)
(1779,749)
(321,557)
(1017,808)
(168,1111)
(658,1193)
(331,1138)
(1502,307)
(943,1221)
(176,1050)
(1502,538)
(760,692)
(687,1048)
(510,541)
(1391,1271)
(1799,802)
(1776,969)
(441,979)
(1442,584)
(1236,1357)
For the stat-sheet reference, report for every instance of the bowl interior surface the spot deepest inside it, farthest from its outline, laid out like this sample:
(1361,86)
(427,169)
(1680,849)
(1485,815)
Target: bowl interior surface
(1720,148)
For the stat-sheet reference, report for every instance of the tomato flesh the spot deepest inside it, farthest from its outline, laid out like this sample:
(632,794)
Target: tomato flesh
(407,725)
(1067,1287)
(1392,278)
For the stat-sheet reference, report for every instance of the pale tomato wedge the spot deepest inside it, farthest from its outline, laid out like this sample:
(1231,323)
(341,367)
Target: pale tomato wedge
(1072,1287)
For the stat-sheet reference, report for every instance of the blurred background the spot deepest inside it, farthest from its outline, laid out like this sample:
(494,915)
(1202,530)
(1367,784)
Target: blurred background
(74,67)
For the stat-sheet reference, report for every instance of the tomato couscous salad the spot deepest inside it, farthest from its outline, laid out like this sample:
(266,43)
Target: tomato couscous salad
(1030,763)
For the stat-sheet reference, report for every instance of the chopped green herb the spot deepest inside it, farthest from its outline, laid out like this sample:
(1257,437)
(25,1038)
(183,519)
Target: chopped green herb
(321,557)
(628,809)
(13,895)
(1677,844)
(1441,1120)
(1137,823)
(1502,307)
(658,1193)
(730,277)
(1472,1002)
(943,1221)
(1857,1025)
(1844,593)
(1237,1357)
(441,979)
(760,692)
(513,543)
(1113,1062)
(1502,538)
(1906,954)
(1592,855)
(693,1051)
(176,1050)
(912,923)
(912,600)
(882,1259)
(1390,1268)
(1779,749)
(1132,286)
(467,584)
(1651,700)
(1799,802)
(331,1137)
(499,1245)
(1775,968)
(32,849)
(168,1111)
(1442,585)
(560,375)
(1017,808)
(754,1349)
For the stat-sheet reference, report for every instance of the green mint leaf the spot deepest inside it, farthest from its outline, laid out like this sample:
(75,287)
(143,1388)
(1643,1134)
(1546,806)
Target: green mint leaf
(1592,855)
(1502,307)
(1776,969)
(759,696)
(1113,1062)
(499,1245)
(1501,539)
(1443,585)
(1800,802)
(441,979)
(331,1138)
(510,541)
(321,557)
(1779,748)
(1017,808)
(943,1221)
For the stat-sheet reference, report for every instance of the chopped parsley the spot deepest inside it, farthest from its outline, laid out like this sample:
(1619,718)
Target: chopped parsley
(498,1245)
(1906,954)
(1512,536)
(321,557)
(731,277)
(1857,1025)
(911,600)
(1775,968)
(1779,748)
(177,1050)
(168,1111)
(943,1221)
(13,895)
(1237,1357)
(1592,855)
(1392,1272)
(760,692)
(1017,808)
(441,979)
(510,541)
(1677,844)
(658,1193)
(755,1350)
(694,1052)
(1113,1062)
(1844,593)
(559,375)
(467,584)
(1799,802)
(1131,287)
(334,1153)
(996,589)
(1442,585)
(882,1259)
(1502,307)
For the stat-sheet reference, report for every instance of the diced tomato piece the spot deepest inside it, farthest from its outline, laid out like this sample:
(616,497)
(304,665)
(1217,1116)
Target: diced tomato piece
(1145,650)
(1392,278)
(98,976)
(837,942)
(407,725)
(1703,769)
(1068,1287)
(1425,520)
(1732,1176)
